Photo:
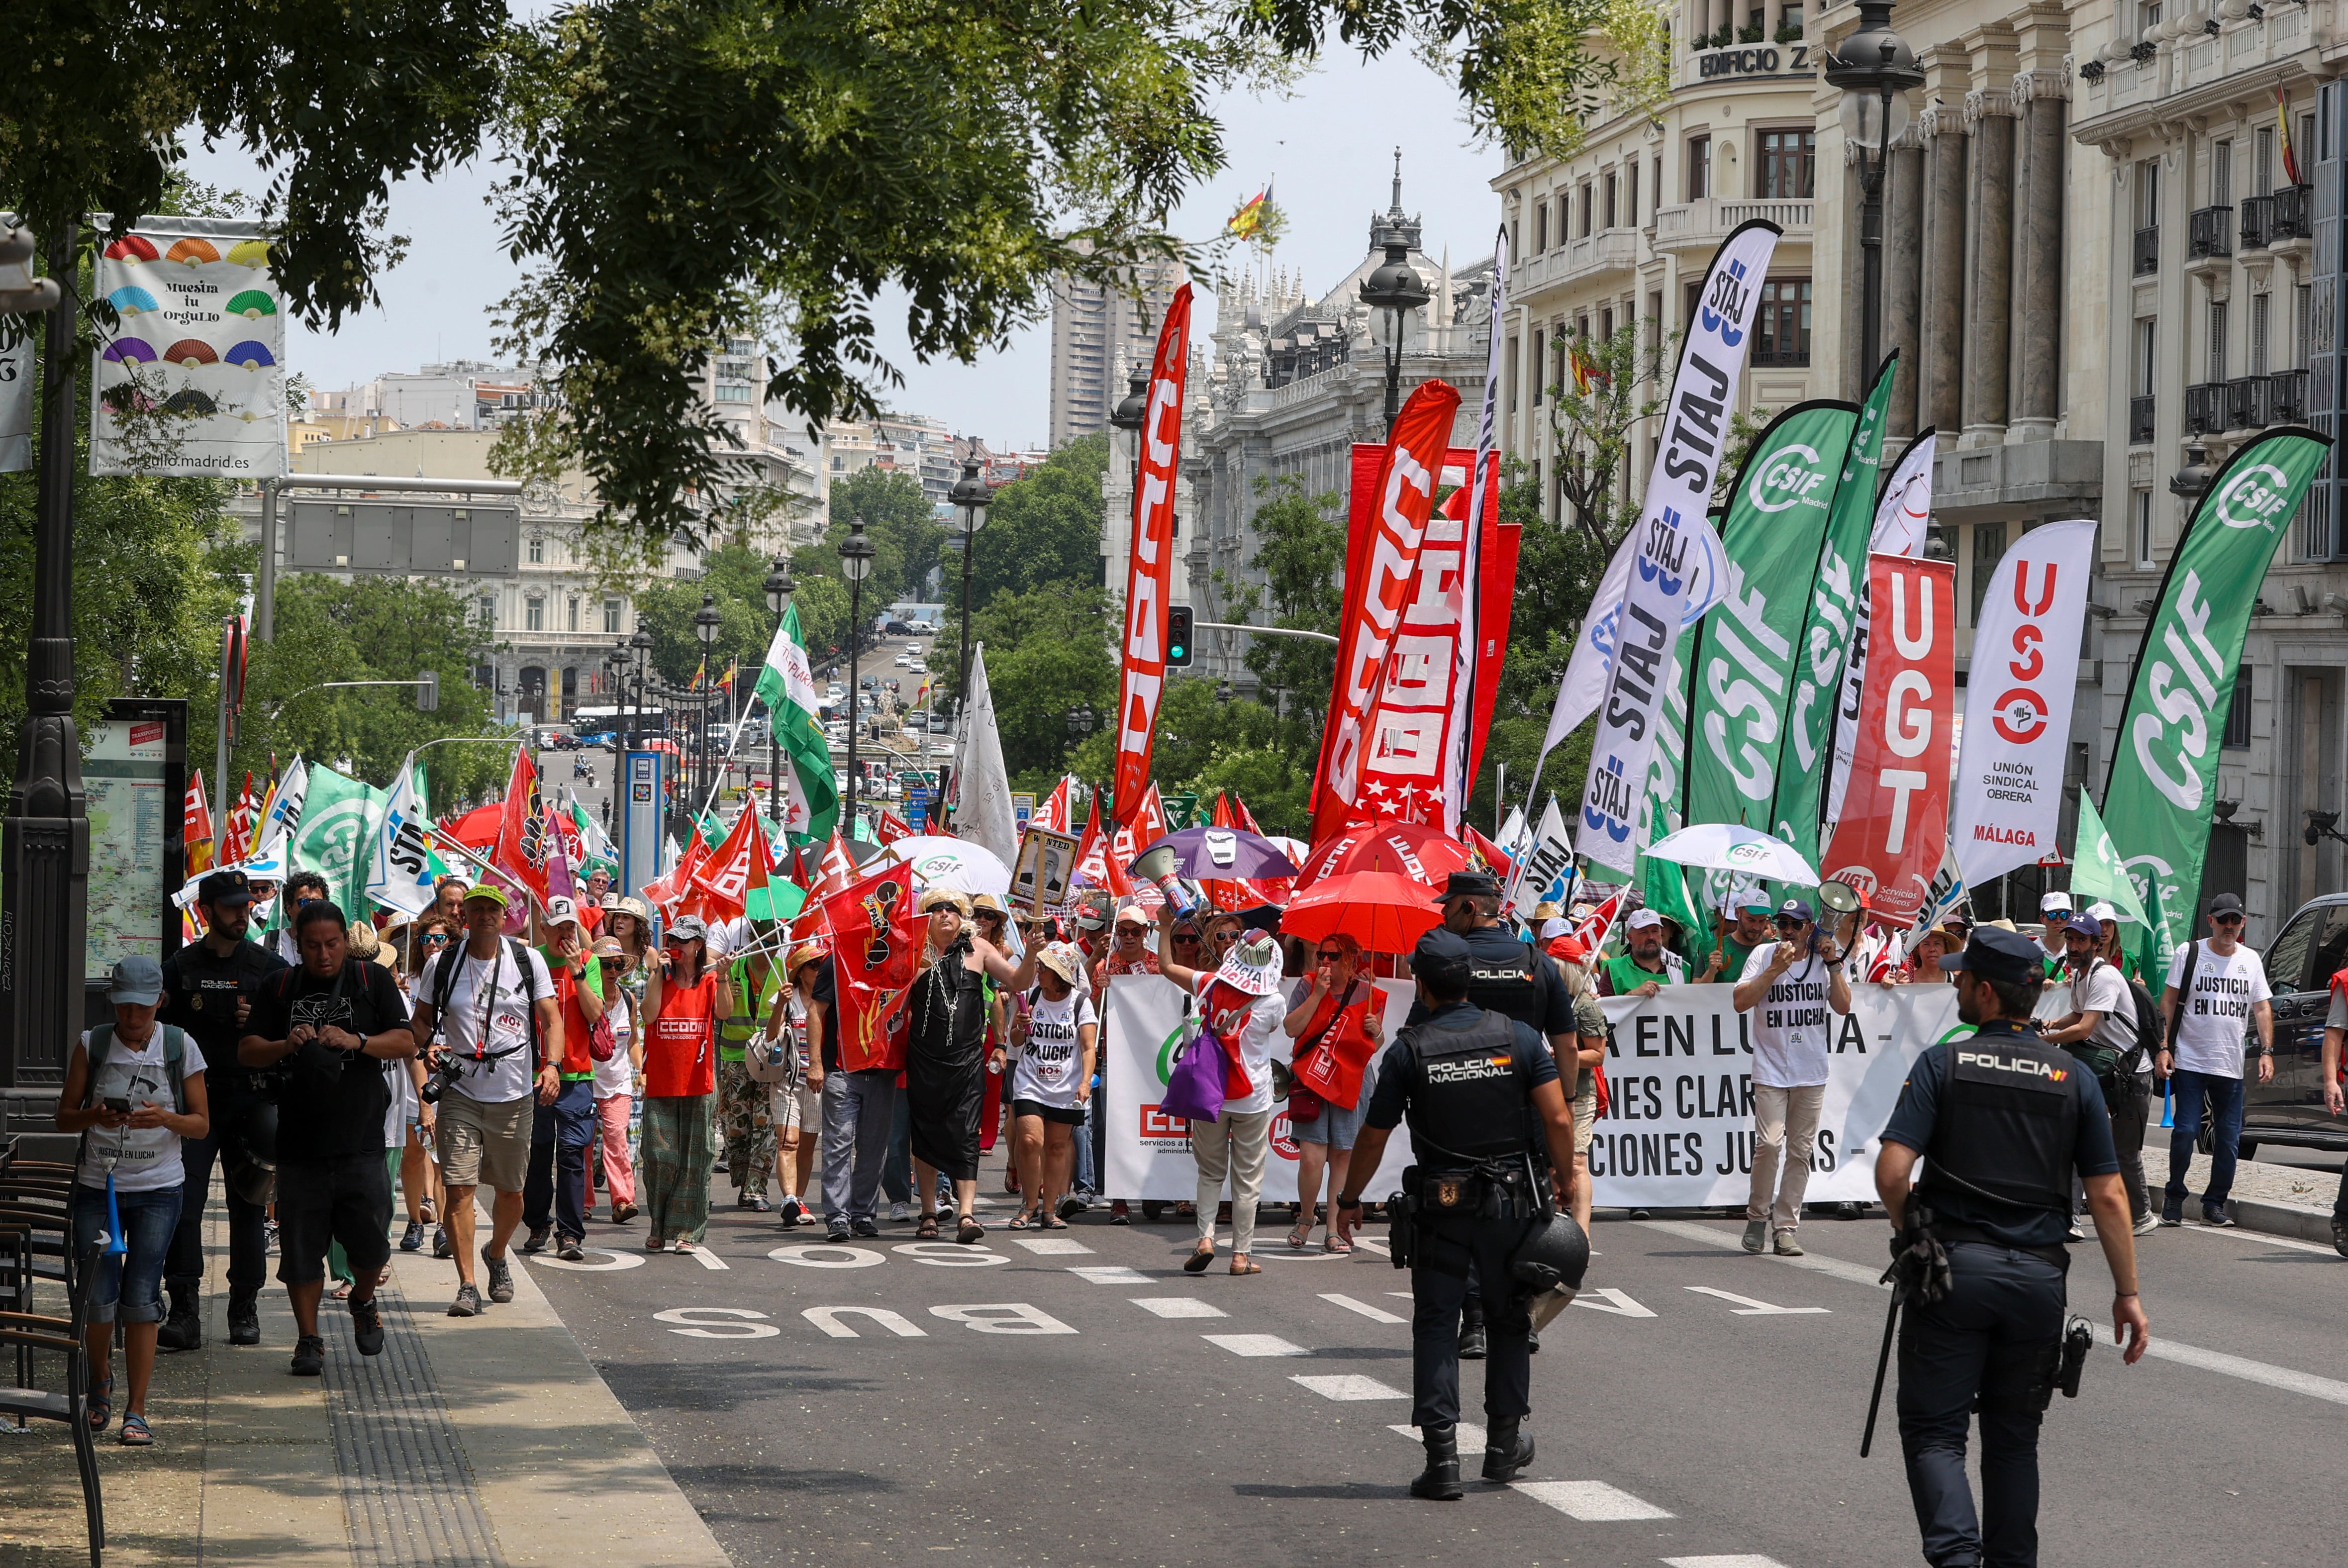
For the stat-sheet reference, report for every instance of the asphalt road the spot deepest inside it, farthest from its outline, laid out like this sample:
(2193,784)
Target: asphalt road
(1072,1398)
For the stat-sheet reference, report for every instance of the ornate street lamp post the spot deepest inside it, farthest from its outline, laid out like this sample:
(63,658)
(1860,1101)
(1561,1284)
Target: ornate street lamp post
(707,623)
(1874,70)
(1395,288)
(856,554)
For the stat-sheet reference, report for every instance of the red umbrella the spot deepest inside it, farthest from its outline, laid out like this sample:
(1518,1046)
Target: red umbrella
(1382,912)
(1411,849)
(477,829)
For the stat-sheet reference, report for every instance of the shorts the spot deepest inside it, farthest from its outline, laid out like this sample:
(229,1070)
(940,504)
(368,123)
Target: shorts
(790,1109)
(1336,1126)
(1585,1111)
(484,1145)
(327,1201)
(1065,1115)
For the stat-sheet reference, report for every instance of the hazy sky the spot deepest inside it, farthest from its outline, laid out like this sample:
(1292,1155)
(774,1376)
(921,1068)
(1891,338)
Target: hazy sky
(1329,149)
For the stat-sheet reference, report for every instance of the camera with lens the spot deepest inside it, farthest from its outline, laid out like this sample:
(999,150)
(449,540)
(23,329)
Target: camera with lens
(445,1069)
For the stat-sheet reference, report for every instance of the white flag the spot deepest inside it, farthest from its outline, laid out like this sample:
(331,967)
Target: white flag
(982,788)
(1460,743)
(399,872)
(285,810)
(1543,868)
(1902,518)
(1668,537)
(2007,795)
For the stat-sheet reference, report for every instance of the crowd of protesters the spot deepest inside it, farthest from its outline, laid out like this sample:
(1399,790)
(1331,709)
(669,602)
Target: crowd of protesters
(443,1054)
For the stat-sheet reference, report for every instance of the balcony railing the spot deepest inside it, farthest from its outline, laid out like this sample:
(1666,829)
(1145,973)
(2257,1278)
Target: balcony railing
(2140,416)
(2294,212)
(2250,403)
(2148,250)
(2208,231)
(2287,402)
(2205,409)
(2258,223)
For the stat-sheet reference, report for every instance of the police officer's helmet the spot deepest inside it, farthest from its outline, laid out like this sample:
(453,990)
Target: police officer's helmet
(1558,1253)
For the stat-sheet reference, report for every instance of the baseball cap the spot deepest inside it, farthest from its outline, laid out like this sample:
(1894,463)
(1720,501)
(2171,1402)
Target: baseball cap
(490,890)
(136,982)
(2052,901)
(1996,954)
(1644,919)
(1442,954)
(2225,903)
(1554,927)
(2103,911)
(560,909)
(1463,884)
(684,928)
(1131,914)
(1795,909)
(228,888)
(2086,926)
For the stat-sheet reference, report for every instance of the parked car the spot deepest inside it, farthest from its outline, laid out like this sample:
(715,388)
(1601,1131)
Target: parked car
(2300,961)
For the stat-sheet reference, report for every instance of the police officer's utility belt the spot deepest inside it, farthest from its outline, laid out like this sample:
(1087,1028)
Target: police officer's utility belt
(1951,1231)
(1504,1188)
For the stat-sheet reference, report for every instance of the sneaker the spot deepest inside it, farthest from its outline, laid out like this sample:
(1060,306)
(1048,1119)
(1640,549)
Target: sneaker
(243,1320)
(2172,1210)
(309,1356)
(269,1235)
(1118,1214)
(500,1278)
(866,1229)
(569,1250)
(367,1326)
(899,1214)
(442,1247)
(411,1240)
(755,1202)
(1071,1206)
(836,1233)
(2215,1214)
(2148,1222)
(537,1242)
(2077,1232)
(1786,1246)
(792,1211)
(1756,1235)
(2339,1234)
(467,1303)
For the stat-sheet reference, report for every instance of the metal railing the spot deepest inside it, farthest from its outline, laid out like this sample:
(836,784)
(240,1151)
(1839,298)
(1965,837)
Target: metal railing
(2258,223)
(2294,212)
(2205,409)
(2208,231)
(2148,250)
(2250,403)
(2286,399)
(2140,420)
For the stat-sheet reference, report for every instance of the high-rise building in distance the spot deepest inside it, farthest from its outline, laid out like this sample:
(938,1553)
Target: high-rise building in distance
(1094,328)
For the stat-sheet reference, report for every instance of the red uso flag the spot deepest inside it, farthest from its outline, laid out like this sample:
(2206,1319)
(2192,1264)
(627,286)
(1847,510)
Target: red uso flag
(1149,573)
(1895,816)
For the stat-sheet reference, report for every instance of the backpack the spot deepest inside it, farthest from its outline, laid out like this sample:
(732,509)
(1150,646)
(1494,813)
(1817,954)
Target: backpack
(175,1058)
(2148,1035)
(445,985)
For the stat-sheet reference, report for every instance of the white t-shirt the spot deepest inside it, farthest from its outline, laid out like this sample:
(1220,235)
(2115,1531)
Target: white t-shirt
(2216,1015)
(147,1159)
(502,1013)
(1791,1024)
(616,1077)
(1051,1064)
(2104,990)
(1256,1021)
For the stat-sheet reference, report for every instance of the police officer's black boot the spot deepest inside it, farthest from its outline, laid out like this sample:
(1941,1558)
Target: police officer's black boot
(1507,1450)
(243,1318)
(1439,1481)
(183,1325)
(1471,1332)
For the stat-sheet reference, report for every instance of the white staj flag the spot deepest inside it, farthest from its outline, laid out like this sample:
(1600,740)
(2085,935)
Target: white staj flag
(1545,865)
(1902,518)
(284,815)
(1669,537)
(982,788)
(2007,796)
(399,872)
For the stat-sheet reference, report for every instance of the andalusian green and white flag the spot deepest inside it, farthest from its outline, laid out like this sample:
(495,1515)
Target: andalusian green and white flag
(2096,871)
(1839,578)
(338,820)
(2165,761)
(787,686)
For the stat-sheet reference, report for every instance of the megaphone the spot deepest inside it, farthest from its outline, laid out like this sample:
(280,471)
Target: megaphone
(1839,898)
(1162,869)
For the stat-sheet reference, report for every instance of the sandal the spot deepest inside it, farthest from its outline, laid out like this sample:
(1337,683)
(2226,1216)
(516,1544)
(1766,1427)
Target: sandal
(682,1246)
(927,1230)
(1017,1221)
(1244,1264)
(1054,1222)
(655,1245)
(969,1231)
(1301,1237)
(134,1434)
(101,1405)
(1197,1262)
(1334,1244)
(342,1290)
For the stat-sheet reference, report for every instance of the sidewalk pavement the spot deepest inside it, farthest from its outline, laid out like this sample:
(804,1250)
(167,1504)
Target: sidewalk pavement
(488,1442)
(2278,1200)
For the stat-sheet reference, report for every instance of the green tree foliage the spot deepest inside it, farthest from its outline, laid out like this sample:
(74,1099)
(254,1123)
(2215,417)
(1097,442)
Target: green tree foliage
(1041,530)
(371,628)
(736,580)
(1301,549)
(1046,652)
(1622,381)
(906,539)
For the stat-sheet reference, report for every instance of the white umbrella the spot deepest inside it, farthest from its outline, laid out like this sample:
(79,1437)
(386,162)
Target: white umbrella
(953,863)
(1729,847)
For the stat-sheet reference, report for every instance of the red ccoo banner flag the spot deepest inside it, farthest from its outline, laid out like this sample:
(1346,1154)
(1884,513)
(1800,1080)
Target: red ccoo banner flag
(1895,816)
(1149,577)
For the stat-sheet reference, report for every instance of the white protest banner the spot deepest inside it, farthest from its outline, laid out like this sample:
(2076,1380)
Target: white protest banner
(2007,796)
(1144,1017)
(1678,1131)
(193,378)
(400,869)
(1695,434)
(16,402)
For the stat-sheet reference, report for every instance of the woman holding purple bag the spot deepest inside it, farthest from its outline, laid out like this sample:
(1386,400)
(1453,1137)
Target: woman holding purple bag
(1243,1017)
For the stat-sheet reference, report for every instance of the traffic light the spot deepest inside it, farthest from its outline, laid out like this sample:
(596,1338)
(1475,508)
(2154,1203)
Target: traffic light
(1178,636)
(428,692)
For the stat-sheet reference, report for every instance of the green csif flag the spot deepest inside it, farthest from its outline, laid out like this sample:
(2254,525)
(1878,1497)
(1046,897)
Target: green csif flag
(2096,871)
(2165,757)
(1743,662)
(1840,578)
(787,686)
(338,822)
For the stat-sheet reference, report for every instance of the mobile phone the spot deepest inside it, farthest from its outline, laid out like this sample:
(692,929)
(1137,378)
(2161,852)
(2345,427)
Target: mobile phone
(118,1103)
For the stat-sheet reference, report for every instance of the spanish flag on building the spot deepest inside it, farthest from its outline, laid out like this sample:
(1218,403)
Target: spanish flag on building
(1250,217)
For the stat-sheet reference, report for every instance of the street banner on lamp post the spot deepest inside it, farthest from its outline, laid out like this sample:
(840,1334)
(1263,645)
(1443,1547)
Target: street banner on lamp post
(1149,576)
(2165,757)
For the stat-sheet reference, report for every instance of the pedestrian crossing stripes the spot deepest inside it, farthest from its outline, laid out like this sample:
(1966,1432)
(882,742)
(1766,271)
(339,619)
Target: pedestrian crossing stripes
(1177,1307)
(1255,1345)
(1051,1246)
(1468,1434)
(1374,1314)
(1349,1387)
(1111,1274)
(1745,1560)
(1593,1501)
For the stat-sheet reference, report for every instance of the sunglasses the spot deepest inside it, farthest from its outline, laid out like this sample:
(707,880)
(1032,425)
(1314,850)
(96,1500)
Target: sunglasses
(2225,920)
(435,938)
(1330,956)
(1789,920)
(1186,939)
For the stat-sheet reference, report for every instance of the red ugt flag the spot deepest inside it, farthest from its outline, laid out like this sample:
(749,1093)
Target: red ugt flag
(1149,577)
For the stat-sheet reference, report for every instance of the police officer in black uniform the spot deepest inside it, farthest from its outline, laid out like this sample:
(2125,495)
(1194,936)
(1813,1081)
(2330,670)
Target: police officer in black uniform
(1514,978)
(2003,1121)
(1472,1082)
(208,989)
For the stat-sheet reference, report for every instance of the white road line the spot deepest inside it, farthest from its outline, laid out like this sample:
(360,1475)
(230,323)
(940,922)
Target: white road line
(1855,1273)
(1745,1560)
(1255,1345)
(1349,1386)
(1374,1314)
(2219,1361)
(2319,1248)
(1592,1501)
(1051,1246)
(1111,1274)
(1614,1301)
(1469,1435)
(1177,1307)
(1752,1308)
(709,1260)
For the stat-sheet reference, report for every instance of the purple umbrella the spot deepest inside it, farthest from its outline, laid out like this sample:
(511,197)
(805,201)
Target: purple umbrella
(1224,854)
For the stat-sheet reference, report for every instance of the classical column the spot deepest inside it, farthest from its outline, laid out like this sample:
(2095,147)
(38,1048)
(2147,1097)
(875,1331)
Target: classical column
(1989,293)
(1903,242)
(1940,356)
(2042,95)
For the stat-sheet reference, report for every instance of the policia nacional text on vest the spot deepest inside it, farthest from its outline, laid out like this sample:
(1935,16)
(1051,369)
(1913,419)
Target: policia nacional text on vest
(2004,1121)
(1480,1211)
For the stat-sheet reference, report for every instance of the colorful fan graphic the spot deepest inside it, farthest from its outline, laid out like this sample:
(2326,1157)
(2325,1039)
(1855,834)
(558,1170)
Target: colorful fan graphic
(250,354)
(192,352)
(130,351)
(132,301)
(252,304)
(131,248)
(250,254)
(192,252)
